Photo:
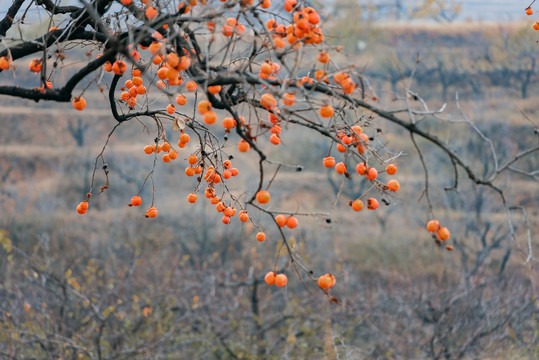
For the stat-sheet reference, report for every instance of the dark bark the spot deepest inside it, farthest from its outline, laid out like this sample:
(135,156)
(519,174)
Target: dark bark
(7,21)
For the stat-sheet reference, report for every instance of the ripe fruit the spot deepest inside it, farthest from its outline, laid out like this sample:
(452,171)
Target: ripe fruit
(5,62)
(443,233)
(323,57)
(215,89)
(229,123)
(289,99)
(35,65)
(275,139)
(393,185)
(82,207)
(137,81)
(329,161)
(151,212)
(536,26)
(184,138)
(151,13)
(160,85)
(192,198)
(119,67)
(261,236)
(433,226)
(173,154)
(184,64)
(268,101)
(289,5)
(244,216)
(171,109)
(270,278)
(181,100)
(529,11)
(148,149)
(154,49)
(273,118)
(226,220)
(141,90)
(162,73)
(372,204)
(357,205)
(243,146)
(210,117)
(192,159)
(230,211)
(266,68)
(203,106)
(220,207)
(279,43)
(209,192)
(291,222)
(357,129)
(216,178)
(136,200)
(191,86)
(391,169)
(340,168)
(172,59)
(209,173)
(326,111)
(79,103)
(281,280)
(326,281)
(371,174)
(165,147)
(361,168)
(449,247)
(281,220)
(263,197)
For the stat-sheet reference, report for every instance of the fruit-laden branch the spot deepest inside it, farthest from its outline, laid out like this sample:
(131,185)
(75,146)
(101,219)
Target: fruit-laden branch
(114,108)
(246,78)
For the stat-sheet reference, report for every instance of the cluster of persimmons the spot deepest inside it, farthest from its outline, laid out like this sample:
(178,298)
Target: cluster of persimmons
(170,65)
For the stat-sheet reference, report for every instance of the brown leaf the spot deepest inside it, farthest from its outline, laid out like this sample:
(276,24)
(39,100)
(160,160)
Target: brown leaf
(178,124)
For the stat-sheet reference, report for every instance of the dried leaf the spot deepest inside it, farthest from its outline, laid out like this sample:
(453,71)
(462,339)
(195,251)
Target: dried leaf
(178,124)
(108,311)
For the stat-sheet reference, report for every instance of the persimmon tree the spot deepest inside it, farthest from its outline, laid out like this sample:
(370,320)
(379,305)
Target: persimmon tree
(232,76)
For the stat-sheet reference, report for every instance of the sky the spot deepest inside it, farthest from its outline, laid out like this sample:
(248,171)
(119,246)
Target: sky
(471,9)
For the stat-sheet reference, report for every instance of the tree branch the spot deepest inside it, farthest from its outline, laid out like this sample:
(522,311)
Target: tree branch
(7,21)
